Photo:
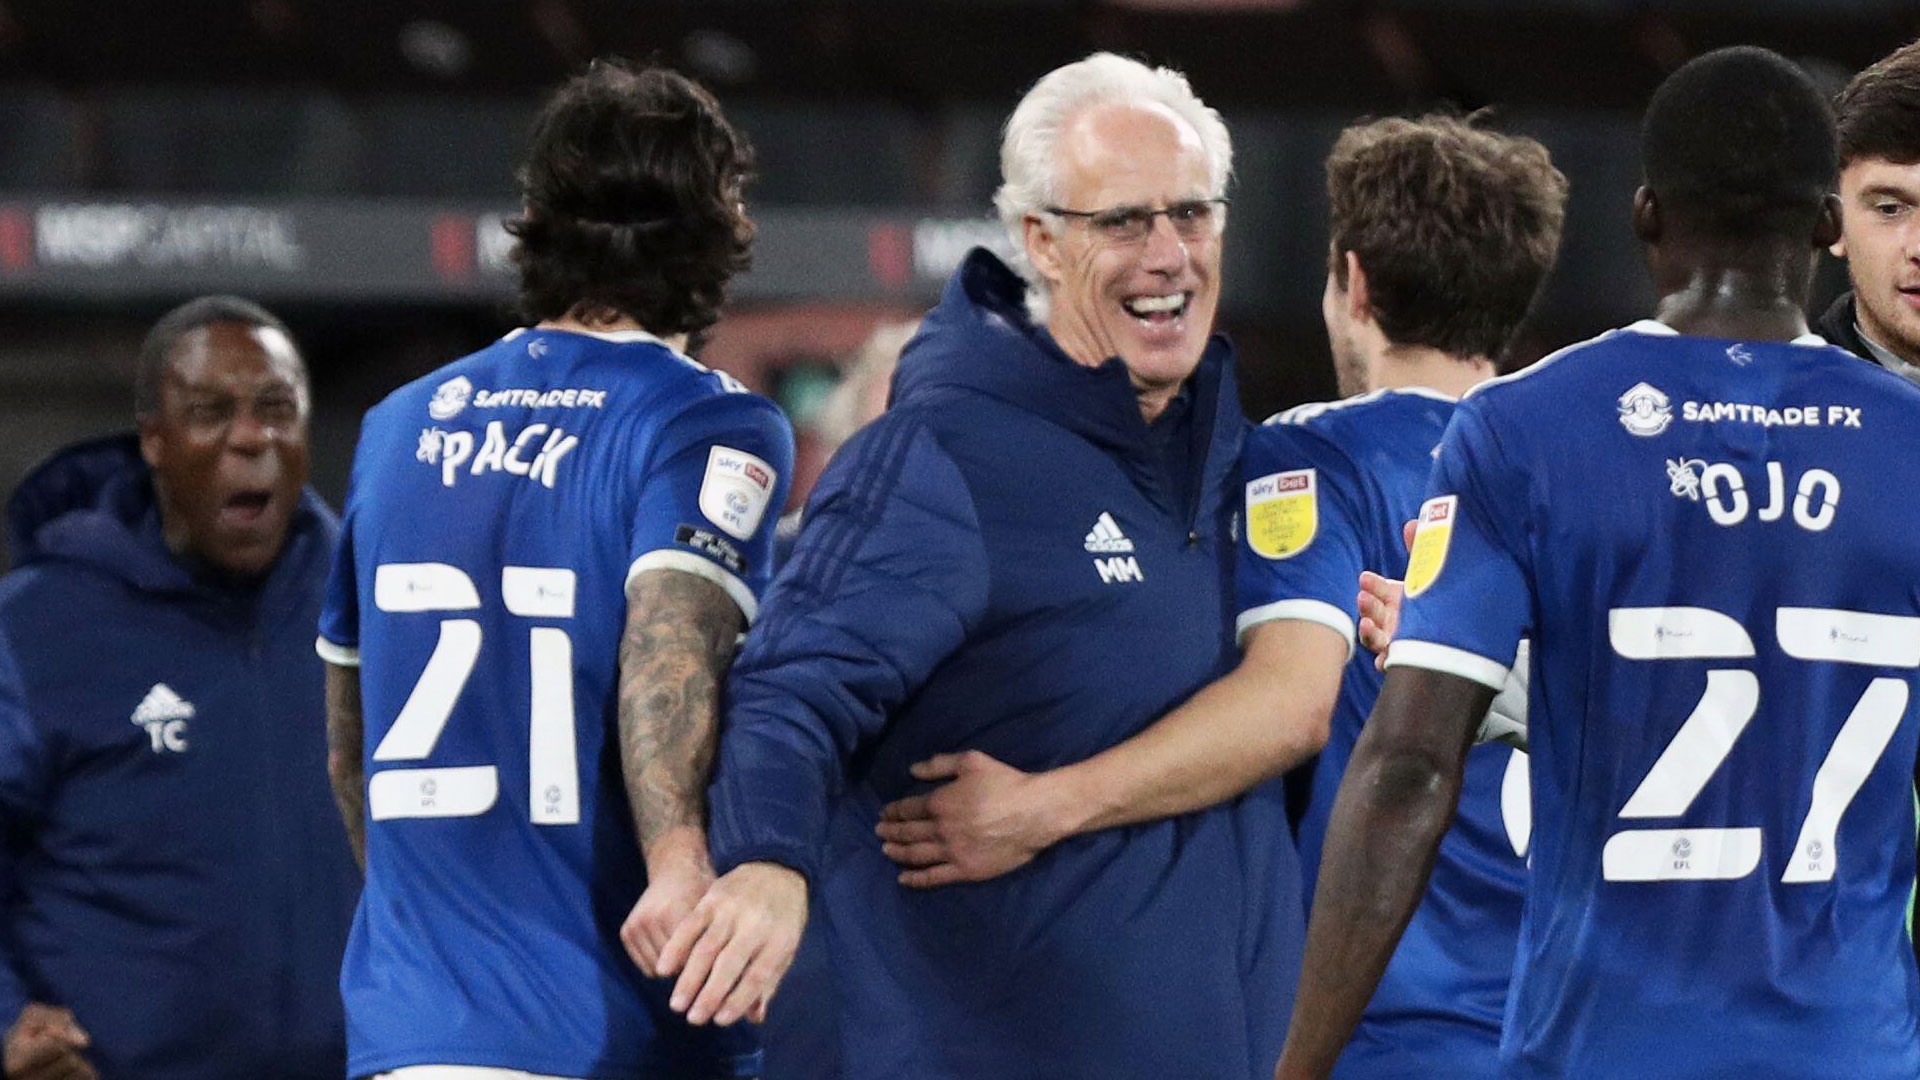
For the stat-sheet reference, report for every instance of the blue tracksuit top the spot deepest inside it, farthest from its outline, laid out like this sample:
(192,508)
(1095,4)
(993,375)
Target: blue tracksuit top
(998,563)
(173,869)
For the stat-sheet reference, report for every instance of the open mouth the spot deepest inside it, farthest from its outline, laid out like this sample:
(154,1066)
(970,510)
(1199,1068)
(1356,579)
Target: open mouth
(1158,310)
(246,507)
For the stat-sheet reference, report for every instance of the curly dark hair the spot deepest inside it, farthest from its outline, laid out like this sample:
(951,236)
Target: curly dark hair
(1456,227)
(631,193)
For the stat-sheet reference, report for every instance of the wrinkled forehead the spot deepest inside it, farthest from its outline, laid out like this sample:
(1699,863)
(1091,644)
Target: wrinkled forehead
(1139,153)
(235,358)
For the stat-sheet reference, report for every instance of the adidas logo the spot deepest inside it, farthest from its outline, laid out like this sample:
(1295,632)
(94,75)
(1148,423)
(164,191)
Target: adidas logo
(161,705)
(1106,537)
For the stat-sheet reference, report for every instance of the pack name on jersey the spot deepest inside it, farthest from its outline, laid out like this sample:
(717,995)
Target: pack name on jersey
(1721,412)
(534,452)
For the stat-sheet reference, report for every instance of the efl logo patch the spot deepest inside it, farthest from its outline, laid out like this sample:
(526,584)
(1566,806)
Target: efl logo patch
(1283,512)
(1430,541)
(736,490)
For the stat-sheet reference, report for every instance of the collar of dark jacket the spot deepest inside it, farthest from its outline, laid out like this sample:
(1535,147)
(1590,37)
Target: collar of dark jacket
(1841,327)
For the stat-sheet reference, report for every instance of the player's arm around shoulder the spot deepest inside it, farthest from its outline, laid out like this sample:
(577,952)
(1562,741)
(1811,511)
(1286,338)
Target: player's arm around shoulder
(1267,715)
(1273,710)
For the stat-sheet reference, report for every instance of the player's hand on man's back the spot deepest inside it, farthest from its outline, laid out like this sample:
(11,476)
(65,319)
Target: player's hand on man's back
(45,1043)
(732,951)
(988,819)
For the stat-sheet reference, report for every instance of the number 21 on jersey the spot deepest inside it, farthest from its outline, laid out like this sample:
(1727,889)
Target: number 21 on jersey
(553,781)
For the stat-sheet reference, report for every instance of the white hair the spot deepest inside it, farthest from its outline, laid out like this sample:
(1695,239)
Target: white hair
(1029,159)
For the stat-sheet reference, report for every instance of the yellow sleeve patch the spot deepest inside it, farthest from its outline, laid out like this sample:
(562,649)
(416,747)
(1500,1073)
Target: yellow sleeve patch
(1283,512)
(1430,540)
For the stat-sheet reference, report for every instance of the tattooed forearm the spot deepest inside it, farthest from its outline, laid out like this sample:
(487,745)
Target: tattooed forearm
(679,640)
(344,727)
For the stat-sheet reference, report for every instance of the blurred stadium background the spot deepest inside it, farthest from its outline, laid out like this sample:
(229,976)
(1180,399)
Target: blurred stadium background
(348,162)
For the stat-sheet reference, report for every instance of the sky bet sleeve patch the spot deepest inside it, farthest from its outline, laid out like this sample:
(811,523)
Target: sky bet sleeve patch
(1430,540)
(736,490)
(1283,512)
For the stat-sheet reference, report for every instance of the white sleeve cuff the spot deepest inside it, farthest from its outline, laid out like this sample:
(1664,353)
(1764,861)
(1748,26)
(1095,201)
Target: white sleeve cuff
(337,655)
(689,563)
(1445,658)
(1305,610)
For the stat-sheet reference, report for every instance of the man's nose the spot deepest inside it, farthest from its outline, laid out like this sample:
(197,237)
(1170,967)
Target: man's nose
(1165,251)
(248,434)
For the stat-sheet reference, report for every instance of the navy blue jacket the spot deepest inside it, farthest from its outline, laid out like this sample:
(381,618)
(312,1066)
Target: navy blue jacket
(1001,563)
(174,869)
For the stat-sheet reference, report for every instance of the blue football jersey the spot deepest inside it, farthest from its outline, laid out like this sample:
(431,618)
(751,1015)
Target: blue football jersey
(1328,488)
(497,509)
(1710,545)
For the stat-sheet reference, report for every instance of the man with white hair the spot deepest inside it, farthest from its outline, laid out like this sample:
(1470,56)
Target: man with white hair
(1029,554)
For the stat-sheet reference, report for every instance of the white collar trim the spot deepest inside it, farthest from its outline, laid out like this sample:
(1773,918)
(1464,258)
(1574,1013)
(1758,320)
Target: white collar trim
(1654,326)
(618,337)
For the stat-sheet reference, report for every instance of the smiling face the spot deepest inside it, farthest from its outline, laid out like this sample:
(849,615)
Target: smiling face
(1880,239)
(1151,300)
(227,442)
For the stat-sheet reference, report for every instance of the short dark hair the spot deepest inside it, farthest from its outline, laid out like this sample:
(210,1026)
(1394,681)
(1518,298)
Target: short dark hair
(632,201)
(156,352)
(1878,114)
(1739,144)
(1456,227)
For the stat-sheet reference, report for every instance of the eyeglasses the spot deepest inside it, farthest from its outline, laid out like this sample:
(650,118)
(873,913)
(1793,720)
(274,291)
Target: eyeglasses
(1193,219)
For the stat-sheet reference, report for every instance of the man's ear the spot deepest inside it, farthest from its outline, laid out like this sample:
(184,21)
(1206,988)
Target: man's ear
(1359,295)
(1826,231)
(151,444)
(1043,248)
(1646,216)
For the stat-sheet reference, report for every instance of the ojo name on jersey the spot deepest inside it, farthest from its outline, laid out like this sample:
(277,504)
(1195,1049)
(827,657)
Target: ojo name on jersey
(1816,495)
(534,452)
